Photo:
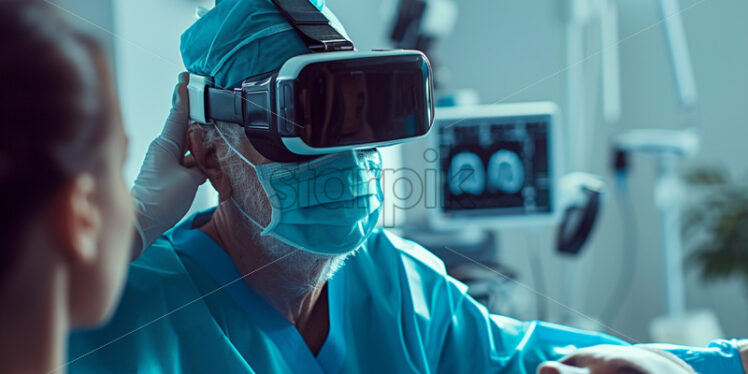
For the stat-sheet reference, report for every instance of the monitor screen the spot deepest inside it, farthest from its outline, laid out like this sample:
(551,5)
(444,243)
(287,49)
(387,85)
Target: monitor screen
(496,166)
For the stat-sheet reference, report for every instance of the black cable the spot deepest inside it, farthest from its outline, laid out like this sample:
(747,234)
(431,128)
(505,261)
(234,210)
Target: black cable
(628,252)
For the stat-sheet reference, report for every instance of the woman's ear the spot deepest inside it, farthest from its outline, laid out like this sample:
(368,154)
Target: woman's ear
(205,158)
(76,217)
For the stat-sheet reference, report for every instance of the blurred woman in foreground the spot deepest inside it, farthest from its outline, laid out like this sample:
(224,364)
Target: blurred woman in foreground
(67,217)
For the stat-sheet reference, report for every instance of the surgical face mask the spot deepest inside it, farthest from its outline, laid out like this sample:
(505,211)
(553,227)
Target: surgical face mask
(327,206)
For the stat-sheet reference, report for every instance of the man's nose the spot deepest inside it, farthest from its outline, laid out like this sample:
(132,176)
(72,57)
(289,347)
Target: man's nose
(552,367)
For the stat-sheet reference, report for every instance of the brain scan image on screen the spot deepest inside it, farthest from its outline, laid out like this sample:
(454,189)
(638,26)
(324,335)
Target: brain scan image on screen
(496,166)
(467,174)
(506,172)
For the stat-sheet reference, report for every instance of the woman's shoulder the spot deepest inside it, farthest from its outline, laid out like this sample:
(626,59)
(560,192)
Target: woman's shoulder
(157,287)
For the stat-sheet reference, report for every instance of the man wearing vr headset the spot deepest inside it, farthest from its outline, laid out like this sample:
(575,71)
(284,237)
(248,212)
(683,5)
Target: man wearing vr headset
(288,273)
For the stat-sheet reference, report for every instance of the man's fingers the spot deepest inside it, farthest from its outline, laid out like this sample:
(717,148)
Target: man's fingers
(180,98)
(189,161)
(552,367)
(178,119)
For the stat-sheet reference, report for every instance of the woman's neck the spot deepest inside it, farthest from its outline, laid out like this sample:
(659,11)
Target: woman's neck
(34,323)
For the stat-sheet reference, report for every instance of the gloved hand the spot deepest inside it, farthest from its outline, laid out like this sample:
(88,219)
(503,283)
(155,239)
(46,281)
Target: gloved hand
(165,187)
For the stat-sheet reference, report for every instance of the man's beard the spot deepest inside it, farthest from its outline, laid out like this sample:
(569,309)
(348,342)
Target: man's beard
(299,271)
(302,271)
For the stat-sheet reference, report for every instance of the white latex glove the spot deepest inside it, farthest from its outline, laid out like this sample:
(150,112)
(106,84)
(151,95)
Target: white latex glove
(164,189)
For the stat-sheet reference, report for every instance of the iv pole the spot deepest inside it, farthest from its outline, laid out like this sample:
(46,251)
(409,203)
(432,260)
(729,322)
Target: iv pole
(670,207)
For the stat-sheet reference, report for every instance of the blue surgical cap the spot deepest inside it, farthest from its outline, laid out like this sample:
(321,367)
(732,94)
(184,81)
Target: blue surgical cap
(238,39)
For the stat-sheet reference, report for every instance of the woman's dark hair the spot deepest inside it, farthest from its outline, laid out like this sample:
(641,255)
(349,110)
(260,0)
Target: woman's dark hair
(53,114)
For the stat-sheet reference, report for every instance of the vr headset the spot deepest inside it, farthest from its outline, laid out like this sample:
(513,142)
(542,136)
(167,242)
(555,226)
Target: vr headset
(328,101)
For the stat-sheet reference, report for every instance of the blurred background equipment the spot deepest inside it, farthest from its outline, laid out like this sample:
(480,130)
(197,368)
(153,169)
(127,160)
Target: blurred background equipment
(419,24)
(669,148)
(583,197)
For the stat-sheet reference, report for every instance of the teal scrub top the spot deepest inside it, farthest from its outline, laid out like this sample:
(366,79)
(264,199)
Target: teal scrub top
(392,307)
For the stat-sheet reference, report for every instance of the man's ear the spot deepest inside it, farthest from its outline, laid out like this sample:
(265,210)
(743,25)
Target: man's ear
(76,217)
(206,160)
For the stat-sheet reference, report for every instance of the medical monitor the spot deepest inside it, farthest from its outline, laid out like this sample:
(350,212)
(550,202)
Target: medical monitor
(498,164)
